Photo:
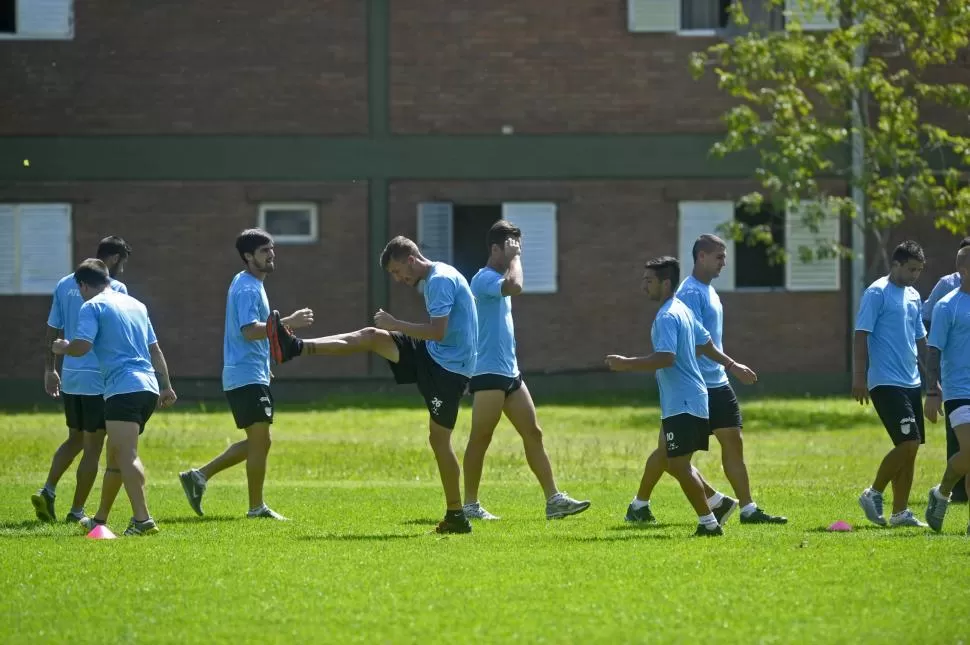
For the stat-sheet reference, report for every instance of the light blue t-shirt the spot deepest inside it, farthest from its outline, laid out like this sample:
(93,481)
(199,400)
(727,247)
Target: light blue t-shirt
(950,333)
(893,317)
(80,375)
(244,362)
(705,304)
(446,293)
(496,333)
(682,388)
(120,331)
(945,285)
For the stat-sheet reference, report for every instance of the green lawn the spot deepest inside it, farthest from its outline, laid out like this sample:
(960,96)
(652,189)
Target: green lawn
(358,562)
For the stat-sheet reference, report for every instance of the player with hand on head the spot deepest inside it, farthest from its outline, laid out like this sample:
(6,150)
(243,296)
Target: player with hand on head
(118,329)
(246,374)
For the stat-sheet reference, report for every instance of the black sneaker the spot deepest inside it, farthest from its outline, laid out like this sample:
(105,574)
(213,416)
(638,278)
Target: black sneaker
(640,515)
(454,524)
(43,505)
(724,510)
(283,345)
(760,517)
(703,531)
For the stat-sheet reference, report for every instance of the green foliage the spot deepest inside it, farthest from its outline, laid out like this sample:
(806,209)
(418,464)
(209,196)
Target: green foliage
(797,89)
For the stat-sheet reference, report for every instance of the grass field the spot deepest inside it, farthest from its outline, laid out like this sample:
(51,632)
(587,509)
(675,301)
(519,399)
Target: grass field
(358,562)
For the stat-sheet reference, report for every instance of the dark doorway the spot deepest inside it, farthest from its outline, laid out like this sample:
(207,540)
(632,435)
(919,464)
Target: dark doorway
(8,16)
(471,224)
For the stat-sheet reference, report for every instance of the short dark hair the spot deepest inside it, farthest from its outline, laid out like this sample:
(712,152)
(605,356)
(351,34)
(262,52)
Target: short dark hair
(666,268)
(250,240)
(113,245)
(707,243)
(964,242)
(501,231)
(908,250)
(92,272)
(399,249)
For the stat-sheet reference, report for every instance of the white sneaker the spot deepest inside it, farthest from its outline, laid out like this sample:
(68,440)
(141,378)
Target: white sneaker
(562,505)
(475,511)
(267,513)
(906,518)
(871,503)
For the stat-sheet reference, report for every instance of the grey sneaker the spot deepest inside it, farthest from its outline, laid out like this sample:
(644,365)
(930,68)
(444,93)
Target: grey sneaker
(43,505)
(906,518)
(135,529)
(476,511)
(724,510)
(871,503)
(74,518)
(936,510)
(88,523)
(266,512)
(562,505)
(193,483)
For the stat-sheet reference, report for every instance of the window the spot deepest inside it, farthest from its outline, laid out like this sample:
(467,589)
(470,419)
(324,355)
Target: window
(456,234)
(35,247)
(290,223)
(748,267)
(37,19)
(712,17)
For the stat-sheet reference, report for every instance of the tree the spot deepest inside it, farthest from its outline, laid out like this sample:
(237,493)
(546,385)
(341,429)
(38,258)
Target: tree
(805,97)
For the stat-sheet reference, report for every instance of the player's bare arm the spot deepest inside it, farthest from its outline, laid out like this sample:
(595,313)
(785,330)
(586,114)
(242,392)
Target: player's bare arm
(921,348)
(512,281)
(435,329)
(52,380)
(934,395)
(166,396)
(76,347)
(743,373)
(299,319)
(860,353)
(652,362)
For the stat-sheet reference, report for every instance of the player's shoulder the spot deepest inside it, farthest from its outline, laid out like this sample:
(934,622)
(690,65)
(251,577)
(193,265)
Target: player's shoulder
(118,285)
(878,287)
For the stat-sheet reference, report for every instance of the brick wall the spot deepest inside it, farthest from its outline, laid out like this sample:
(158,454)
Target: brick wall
(183,237)
(297,66)
(607,229)
(459,66)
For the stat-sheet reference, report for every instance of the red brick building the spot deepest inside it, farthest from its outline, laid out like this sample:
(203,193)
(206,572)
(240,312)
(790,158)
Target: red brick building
(339,123)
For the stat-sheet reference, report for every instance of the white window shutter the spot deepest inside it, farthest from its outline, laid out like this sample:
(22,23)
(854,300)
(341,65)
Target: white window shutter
(653,15)
(540,253)
(695,219)
(9,263)
(435,231)
(810,20)
(45,18)
(45,246)
(815,275)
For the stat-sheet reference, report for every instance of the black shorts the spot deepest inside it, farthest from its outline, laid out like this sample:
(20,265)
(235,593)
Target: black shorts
(685,434)
(133,407)
(442,390)
(84,411)
(901,412)
(723,408)
(251,404)
(949,407)
(483,382)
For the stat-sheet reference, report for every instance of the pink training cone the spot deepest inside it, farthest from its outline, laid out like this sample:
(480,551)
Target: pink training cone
(841,525)
(101,532)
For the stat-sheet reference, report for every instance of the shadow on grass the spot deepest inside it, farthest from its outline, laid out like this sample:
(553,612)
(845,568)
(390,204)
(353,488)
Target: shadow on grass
(421,522)
(628,536)
(30,528)
(195,519)
(356,537)
(869,528)
(643,526)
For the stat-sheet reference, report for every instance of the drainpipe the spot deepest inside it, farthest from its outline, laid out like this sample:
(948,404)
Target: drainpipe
(858,265)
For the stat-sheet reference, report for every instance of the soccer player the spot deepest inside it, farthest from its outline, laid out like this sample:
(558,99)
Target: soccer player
(677,337)
(889,337)
(945,285)
(82,389)
(246,374)
(497,385)
(438,355)
(949,348)
(118,329)
(710,256)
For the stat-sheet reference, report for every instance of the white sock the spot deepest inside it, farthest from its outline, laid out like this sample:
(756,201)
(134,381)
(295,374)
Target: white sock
(638,503)
(709,521)
(715,499)
(939,495)
(50,489)
(258,509)
(749,509)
